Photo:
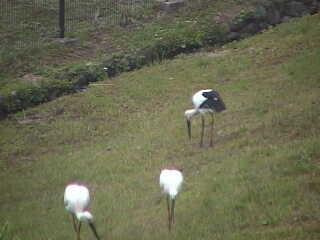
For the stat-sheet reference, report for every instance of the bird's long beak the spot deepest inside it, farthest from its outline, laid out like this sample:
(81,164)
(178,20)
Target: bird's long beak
(189,128)
(94,230)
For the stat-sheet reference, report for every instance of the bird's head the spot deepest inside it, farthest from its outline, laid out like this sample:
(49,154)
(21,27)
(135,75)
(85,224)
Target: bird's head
(88,218)
(189,114)
(84,216)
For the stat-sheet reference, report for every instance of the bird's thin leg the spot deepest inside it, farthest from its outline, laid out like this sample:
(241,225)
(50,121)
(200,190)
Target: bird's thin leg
(94,230)
(169,214)
(172,210)
(202,130)
(78,233)
(211,130)
(74,223)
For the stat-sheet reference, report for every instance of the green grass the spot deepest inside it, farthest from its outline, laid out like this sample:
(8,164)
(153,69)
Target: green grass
(259,181)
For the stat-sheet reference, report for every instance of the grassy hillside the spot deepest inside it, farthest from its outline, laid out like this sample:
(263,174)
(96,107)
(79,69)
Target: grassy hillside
(261,180)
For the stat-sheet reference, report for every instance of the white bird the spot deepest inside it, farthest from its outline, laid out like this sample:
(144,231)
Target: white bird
(204,101)
(170,182)
(76,201)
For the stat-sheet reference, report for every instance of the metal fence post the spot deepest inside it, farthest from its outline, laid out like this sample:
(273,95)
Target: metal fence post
(62,17)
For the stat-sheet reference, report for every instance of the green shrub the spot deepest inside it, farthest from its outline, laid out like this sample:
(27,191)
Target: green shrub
(65,81)
(215,35)
(171,44)
(81,75)
(27,95)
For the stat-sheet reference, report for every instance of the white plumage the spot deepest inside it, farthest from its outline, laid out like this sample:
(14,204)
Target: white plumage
(76,198)
(76,201)
(198,99)
(170,183)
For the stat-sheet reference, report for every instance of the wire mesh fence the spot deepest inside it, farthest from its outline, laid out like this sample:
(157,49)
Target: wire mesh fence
(25,23)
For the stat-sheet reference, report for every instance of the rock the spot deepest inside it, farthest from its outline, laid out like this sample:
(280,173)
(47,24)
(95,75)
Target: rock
(295,9)
(252,28)
(232,36)
(238,25)
(171,6)
(273,16)
(68,41)
(263,25)
(285,19)
(314,7)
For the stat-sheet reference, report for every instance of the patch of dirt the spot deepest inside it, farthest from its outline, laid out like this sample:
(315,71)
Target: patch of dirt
(216,54)
(98,43)
(31,78)
(40,118)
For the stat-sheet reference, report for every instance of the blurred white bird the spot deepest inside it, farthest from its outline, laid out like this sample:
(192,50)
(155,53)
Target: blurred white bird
(76,201)
(170,182)
(204,101)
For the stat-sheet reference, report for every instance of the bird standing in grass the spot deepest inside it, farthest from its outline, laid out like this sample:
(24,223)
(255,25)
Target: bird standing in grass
(76,201)
(204,101)
(170,182)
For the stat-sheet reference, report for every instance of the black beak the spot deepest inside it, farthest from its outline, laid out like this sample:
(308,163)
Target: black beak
(93,228)
(189,128)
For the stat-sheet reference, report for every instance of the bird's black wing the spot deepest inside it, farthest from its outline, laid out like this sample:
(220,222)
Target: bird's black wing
(213,101)
(209,102)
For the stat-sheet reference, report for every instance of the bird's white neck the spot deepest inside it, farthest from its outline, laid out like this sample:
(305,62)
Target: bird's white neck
(190,113)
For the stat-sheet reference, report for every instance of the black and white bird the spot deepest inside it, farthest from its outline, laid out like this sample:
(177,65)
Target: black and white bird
(76,201)
(170,182)
(204,101)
